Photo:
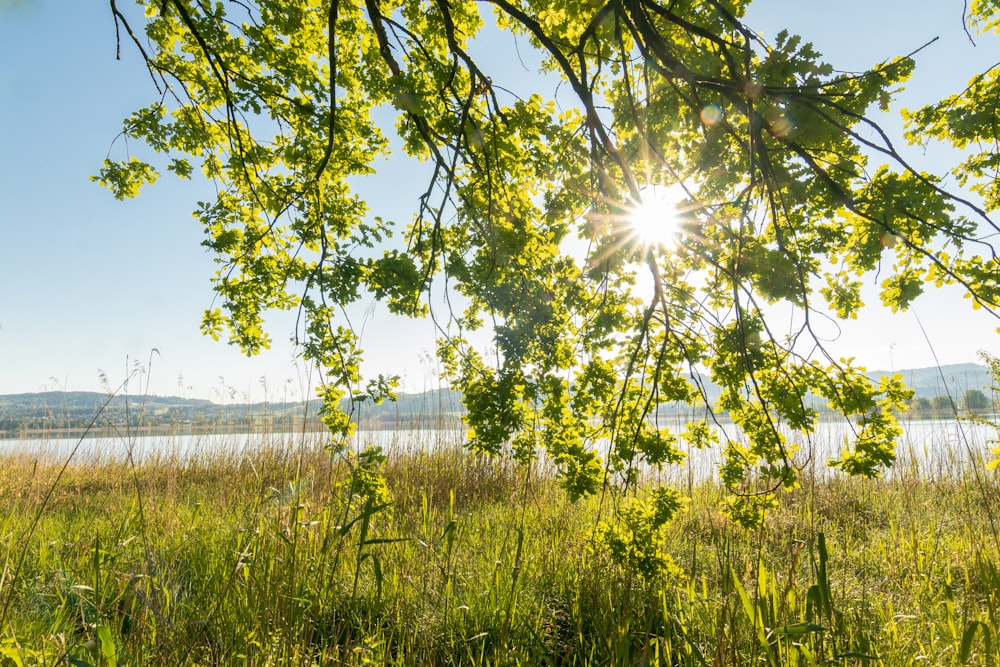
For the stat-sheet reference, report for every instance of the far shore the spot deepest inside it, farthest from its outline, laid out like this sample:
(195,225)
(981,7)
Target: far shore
(312,426)
(155,429)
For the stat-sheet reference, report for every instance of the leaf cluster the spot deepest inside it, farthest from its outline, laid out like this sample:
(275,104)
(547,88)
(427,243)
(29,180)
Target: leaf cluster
(793,196)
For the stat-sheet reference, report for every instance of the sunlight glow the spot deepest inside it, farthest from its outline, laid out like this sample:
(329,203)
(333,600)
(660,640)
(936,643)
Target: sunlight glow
(655,220)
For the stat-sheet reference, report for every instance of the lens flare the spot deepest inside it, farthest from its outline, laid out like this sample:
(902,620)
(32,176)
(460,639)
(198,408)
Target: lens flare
(711,114)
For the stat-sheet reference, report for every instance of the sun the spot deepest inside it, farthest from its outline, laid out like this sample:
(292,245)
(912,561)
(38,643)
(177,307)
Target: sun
(655,220)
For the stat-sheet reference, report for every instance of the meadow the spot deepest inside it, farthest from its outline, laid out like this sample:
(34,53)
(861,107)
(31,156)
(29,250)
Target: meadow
(293,555)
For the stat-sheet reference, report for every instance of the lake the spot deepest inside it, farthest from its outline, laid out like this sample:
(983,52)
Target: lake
(927,445)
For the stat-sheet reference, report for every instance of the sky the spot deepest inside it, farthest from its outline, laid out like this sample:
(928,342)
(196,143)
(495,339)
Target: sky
(94,292)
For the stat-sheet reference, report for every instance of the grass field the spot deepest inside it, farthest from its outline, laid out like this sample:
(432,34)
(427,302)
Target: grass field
(287,557)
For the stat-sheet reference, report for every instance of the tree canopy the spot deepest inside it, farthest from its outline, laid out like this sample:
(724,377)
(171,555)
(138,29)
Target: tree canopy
(790,194)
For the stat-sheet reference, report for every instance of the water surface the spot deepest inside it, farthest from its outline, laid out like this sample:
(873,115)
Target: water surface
(928,446)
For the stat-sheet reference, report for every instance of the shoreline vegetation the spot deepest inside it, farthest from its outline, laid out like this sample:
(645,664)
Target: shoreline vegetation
(450,422)
(292,556)
(313,426)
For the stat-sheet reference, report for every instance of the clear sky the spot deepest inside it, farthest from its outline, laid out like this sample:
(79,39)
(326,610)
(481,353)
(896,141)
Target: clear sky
(90,285)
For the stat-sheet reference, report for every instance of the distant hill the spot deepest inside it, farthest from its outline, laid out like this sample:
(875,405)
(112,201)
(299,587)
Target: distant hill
(77,409)
(953,379)
(56,409)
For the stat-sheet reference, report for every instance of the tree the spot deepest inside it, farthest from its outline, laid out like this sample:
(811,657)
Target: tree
(791,194)
(975,399)
(943,403)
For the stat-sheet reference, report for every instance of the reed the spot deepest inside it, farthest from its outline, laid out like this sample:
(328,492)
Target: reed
(286,553)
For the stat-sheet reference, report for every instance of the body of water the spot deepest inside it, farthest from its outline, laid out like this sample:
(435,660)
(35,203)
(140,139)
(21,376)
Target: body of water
(927,446)
(104,448)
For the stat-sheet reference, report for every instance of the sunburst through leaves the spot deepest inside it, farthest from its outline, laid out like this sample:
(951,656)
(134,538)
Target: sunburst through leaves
(655,221)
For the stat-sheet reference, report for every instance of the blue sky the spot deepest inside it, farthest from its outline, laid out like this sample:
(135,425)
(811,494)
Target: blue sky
(89,284)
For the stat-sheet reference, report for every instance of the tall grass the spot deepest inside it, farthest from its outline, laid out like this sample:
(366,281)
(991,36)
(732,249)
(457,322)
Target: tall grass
(282,555)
